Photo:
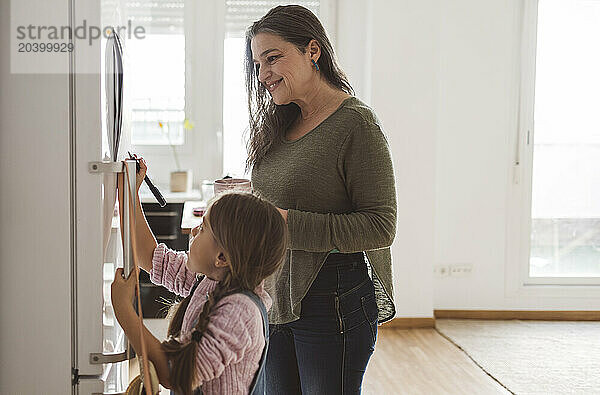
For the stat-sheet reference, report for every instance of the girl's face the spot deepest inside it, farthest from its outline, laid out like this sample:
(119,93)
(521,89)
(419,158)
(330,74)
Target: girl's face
(284,71)
(205,256)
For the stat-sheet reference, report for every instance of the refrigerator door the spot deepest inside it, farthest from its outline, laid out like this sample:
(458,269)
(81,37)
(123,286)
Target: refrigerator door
(87,192)
(88,387)
(99,357)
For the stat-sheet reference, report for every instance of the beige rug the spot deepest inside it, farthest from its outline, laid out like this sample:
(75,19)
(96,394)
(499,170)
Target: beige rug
(532,357)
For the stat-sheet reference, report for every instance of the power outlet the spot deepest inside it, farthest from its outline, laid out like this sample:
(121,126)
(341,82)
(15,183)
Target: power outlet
(460,270)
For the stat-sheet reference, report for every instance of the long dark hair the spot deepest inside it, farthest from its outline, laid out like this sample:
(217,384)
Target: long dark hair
(253,235)
(298,26)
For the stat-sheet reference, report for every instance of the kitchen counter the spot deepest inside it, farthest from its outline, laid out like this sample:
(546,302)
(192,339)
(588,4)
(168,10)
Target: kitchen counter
(171,197)
(188,219)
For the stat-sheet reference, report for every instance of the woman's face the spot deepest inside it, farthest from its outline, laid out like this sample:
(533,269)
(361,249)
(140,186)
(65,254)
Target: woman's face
(284,71)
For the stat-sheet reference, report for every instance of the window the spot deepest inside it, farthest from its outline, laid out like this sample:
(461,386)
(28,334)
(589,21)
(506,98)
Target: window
(238,16)
(157,72)
(158,89)
(235,109)
(565,208)
(553,233)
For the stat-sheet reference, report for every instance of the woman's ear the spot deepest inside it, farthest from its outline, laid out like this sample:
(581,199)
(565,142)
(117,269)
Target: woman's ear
(314,50)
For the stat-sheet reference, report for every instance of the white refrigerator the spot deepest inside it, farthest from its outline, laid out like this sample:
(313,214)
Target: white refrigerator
(58,248)
(101,352)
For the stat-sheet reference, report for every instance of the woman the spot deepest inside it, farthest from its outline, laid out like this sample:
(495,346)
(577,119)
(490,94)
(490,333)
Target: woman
(318,153)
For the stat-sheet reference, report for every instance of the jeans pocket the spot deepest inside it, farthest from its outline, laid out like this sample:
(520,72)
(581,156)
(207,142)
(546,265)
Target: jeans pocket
(370,311)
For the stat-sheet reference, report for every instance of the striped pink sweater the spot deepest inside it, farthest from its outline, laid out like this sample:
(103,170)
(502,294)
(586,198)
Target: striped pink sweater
(230,349)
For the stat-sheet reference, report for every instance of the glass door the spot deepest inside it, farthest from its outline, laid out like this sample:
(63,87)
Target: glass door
(565,223)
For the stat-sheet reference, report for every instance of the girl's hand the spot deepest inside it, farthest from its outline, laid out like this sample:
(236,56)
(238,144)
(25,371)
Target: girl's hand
(122,289)
(139,178)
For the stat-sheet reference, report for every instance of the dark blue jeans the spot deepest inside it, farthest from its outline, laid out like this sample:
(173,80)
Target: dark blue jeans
(327,350)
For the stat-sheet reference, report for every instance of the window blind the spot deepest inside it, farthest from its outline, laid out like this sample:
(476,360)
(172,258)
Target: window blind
(156,16)
(240,14)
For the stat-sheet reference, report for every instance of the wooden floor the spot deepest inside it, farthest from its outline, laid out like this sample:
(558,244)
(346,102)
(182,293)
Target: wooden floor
(421,361)
(408,362)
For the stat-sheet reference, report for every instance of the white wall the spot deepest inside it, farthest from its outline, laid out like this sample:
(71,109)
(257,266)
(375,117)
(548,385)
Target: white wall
(353,46)
(404,86)
(476,120)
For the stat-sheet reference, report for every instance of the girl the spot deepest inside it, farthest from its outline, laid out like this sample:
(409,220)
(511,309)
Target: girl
(216,336)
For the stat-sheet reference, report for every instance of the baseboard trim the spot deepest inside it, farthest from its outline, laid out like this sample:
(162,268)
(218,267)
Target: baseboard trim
(519,315)
(408,323)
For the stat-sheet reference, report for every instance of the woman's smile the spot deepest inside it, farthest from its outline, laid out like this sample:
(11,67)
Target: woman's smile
(272,86)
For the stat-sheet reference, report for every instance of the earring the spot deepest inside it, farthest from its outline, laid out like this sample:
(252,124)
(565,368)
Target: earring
(315,64)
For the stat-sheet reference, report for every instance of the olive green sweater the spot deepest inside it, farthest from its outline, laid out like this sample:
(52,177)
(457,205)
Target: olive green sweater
(337,183)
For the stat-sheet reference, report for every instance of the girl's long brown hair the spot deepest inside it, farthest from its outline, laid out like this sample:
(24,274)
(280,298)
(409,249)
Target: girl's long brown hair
(296,25)
(253,235)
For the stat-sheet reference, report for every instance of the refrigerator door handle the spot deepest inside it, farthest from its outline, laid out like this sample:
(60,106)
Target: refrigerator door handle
(106,167)
(119,167)
(98,358)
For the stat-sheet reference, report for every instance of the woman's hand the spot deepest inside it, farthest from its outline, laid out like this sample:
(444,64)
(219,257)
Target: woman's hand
(122,290)
(283,213)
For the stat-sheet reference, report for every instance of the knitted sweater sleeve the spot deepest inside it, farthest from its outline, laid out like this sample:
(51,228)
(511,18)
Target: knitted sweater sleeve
(169,270)
(234,329)
(365,164)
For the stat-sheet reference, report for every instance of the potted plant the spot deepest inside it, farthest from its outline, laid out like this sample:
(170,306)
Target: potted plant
(181,179)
